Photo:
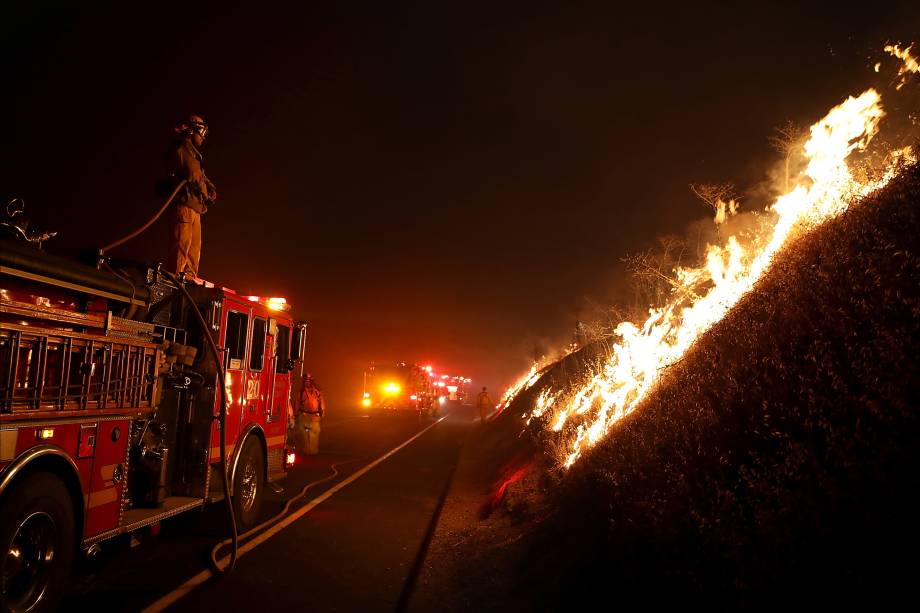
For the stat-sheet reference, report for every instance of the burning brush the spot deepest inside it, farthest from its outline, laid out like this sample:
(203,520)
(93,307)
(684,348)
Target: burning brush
(831,180)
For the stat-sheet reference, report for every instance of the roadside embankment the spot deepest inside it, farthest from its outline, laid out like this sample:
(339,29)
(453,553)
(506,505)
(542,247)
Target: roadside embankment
(778,459)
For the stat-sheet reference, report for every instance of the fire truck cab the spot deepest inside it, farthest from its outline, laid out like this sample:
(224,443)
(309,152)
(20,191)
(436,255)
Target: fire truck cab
(109,407)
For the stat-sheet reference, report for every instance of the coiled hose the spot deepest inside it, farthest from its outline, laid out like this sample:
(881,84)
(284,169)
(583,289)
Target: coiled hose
(222,420)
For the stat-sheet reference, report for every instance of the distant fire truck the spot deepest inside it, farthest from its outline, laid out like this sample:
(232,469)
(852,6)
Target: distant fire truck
(453,388)
(400,387)
(110,398)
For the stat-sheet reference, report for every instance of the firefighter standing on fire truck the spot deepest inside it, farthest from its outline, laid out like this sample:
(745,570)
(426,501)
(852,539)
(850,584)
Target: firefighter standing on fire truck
(192,201)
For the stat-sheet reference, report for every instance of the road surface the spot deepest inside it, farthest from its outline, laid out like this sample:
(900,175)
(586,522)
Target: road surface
(352,551)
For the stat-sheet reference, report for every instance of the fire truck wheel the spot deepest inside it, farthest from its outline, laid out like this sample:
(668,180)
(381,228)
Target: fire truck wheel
(248,484)
(37,533)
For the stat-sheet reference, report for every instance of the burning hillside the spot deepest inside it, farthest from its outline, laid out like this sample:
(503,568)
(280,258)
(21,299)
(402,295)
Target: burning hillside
(754,438)
(779,456)
(702,296)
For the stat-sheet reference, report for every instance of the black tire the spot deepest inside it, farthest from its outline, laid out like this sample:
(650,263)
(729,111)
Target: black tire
(37,532)
(248,484)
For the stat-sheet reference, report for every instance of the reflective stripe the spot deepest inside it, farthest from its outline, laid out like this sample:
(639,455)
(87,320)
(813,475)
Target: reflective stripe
(274,441)
(97,499)
(215,451)
(8,444)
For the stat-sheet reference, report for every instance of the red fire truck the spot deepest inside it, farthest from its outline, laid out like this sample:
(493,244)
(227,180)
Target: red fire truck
(111,402)
(398,388)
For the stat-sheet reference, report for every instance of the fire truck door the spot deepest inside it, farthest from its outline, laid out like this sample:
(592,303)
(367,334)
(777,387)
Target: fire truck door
(259,377)
(281,389)
(236,333)
(271,365)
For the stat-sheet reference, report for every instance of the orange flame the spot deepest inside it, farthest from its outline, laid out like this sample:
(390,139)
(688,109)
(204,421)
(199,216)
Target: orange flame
(909,63)
(702,296)
(522,384)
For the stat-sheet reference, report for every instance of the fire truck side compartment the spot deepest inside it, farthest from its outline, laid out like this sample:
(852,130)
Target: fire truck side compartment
(120,379)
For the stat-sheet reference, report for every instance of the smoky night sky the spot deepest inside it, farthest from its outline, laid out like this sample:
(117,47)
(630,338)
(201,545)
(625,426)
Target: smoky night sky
(432,181)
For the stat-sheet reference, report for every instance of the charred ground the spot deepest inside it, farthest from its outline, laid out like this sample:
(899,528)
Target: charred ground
(778,459)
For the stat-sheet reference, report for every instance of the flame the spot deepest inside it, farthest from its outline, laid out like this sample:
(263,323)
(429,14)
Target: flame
(724,210)
(909,63)
(702,296)
(522,384)
(545,402)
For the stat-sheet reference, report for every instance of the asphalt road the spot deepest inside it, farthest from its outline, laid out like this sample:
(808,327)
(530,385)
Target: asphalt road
(352,552)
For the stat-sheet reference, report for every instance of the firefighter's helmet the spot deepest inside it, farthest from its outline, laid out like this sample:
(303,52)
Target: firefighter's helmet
(193,124)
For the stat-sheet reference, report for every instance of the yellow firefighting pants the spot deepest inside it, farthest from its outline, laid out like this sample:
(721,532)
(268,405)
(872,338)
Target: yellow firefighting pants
(306,433)
(185,240)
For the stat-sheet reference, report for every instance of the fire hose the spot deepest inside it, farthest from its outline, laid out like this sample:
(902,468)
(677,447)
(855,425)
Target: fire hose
(282,513)
(222,417)
(149,222)
(222,420)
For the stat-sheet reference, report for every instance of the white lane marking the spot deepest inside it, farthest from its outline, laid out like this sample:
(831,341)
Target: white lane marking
(173,596)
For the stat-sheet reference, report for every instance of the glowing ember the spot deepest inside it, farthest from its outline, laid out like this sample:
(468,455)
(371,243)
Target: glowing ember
(702,296)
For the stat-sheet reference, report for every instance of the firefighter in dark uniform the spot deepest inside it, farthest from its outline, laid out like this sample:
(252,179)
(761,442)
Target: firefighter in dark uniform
(192,201)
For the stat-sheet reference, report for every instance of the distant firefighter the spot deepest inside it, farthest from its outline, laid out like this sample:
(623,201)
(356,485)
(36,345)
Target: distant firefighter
(192,201)
(484,403)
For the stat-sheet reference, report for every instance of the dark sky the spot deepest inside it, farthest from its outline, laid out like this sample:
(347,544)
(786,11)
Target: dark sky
(446,182)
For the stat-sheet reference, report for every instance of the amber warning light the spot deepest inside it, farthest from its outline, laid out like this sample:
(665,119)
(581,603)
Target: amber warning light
(274,303)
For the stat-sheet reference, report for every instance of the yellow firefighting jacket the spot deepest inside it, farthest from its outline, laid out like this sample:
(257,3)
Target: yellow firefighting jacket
(185,163)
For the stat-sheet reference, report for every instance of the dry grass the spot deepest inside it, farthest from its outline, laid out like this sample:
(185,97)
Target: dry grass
(779,458)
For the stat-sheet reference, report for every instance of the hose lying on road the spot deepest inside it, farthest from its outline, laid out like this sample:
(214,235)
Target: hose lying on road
(222,419)
(287,507)
(234,535)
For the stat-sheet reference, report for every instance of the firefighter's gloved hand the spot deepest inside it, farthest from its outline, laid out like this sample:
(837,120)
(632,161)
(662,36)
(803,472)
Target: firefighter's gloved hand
(210,190)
